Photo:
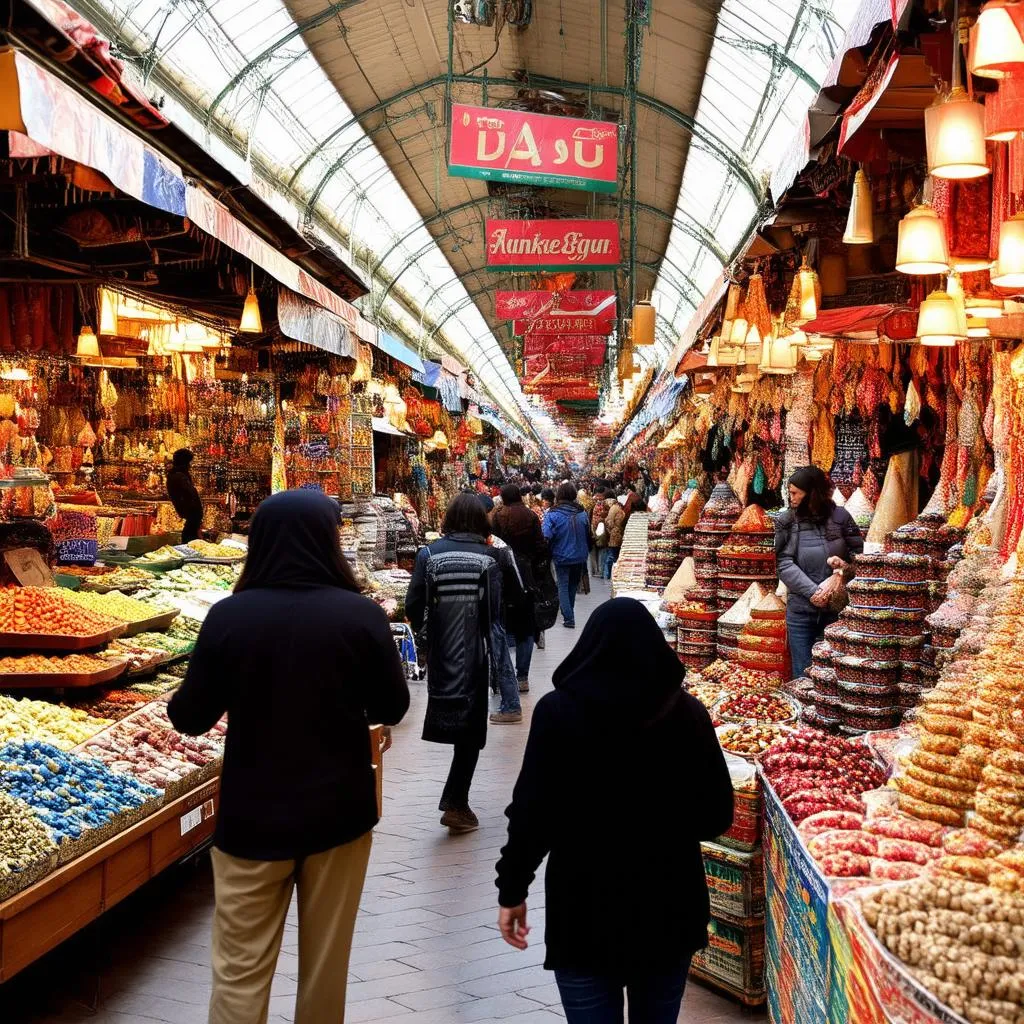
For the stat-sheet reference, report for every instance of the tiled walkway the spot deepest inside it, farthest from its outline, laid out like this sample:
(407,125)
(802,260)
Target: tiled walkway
(426,950)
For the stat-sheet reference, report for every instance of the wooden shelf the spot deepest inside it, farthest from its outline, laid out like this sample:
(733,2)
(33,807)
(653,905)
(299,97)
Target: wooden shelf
(45,914)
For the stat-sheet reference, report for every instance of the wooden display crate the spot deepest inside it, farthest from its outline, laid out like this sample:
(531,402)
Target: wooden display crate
(45,914)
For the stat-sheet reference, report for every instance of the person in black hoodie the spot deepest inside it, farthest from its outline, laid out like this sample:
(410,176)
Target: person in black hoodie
(302,664)
(622,779)
(181,489)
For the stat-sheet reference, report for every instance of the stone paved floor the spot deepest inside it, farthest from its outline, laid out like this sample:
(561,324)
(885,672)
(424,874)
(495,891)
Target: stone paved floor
(426,951)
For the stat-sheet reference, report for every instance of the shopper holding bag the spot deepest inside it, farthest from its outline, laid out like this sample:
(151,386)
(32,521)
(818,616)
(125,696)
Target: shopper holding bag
(812,538)
(297,658)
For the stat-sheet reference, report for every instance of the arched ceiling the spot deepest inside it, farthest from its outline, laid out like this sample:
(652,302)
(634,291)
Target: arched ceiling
(342,107)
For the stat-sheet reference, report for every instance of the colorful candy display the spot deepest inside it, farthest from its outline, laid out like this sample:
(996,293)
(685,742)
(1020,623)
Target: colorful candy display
(50,611)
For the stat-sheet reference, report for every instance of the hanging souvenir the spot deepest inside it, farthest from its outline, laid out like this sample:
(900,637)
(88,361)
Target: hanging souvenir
(912,407)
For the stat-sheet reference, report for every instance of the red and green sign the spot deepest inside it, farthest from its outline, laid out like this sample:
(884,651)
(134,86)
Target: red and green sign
(523,148)
(552,244)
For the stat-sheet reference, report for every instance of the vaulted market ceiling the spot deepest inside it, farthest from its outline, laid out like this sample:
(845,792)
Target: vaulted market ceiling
(342,107)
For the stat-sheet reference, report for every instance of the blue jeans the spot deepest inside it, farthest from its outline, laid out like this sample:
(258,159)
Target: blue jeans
(507,683)
(653,999)
(569,577)
(611,556)
(805,626)
(523,647)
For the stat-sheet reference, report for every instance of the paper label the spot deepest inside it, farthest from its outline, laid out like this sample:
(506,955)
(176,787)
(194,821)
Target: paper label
(28,567)
(192,820)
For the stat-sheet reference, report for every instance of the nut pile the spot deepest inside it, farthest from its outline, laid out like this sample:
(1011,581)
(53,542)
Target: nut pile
(117,606)
(963,942)
(25,844)
(52,723)
(756,706)
(748,740)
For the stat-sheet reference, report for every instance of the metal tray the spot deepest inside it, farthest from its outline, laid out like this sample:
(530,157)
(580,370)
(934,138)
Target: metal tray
(152,624)
(53,642)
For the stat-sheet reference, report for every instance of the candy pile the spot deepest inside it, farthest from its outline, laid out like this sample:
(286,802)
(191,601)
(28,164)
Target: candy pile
(27,850)
(50,611)
(748,740)
(69,793)
(117,606)
(204,549)
(40,664)
(53,723)
(124,577)
(811,772)
(196,577)
(769,706)
(963,942)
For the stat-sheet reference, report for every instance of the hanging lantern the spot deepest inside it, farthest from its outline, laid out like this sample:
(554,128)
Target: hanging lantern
(921,247)
(778,356)
(985,306)
(808,284)
(88,344)
(732,303)
(721,354)
(954,130)
(738,335)
(251,322)
(1009,268)
(996,47)
(860,228)
(108,312)
(978,328)
(938,323)
(643,323)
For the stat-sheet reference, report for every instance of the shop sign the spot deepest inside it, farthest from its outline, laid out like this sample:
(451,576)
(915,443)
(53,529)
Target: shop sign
(552,244)
(527,305)
(524,148)
(565,344)
(571,323)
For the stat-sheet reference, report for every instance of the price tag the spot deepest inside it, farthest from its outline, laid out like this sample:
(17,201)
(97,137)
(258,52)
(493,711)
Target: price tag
(191,820)
(28,567)
(208,810)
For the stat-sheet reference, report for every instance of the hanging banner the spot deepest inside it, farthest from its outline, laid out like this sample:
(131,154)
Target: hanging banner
(552,244)
(523,148)
(528,305)
(570,323)
(566,344)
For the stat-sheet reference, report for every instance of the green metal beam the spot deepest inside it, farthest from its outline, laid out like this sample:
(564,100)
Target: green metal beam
(267,53)
(777,54)
(714,145)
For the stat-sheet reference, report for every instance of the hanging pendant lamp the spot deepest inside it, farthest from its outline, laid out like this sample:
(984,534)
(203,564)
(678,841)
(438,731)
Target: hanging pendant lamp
(778,356)
(643,323)
(954,129)
(955,290)
(996,47)
(108,312)
(88,345)
(1009,268)
(985,306)
(251,322)
(978,328)
(860,228)
(921,243)
(938,323)
(808,285)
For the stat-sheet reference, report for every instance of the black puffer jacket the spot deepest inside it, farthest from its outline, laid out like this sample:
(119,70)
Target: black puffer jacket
(459,631)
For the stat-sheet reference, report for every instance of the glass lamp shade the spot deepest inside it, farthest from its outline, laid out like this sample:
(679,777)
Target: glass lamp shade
(996,47)
(643,324)
(251,322)
(860,228)
(938,322)
(1009,269)
(778,356)
(921,247)
(108,312)
(88,344)
(808,293)
(954,130)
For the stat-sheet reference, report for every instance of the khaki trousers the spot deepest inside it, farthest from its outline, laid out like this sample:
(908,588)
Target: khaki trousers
(252,900)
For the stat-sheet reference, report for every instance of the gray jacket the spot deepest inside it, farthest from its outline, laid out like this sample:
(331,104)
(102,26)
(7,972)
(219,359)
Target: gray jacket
(803,548)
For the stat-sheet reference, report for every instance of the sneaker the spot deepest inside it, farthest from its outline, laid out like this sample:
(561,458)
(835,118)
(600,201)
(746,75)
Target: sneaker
(569,625)
(540,642)
(460,821)
(506,717)
(524,685)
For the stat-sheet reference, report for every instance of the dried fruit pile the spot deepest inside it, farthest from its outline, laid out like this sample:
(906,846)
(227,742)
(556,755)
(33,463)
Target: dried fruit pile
(117,606)
(41,664)
(756,706)
(748,740)
(49,611)
(52,723)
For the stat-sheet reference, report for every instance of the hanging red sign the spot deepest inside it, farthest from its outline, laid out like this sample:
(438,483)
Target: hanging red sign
(557,367)
(565,344)
(570,323)
(528,305)
(533,149)
(552,244)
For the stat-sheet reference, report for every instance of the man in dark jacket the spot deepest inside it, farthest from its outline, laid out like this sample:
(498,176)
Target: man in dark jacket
(567,529)
(520,529)
(183,494)
(460,652)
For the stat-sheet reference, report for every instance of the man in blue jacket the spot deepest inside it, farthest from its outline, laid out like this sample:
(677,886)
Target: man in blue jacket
(567,529)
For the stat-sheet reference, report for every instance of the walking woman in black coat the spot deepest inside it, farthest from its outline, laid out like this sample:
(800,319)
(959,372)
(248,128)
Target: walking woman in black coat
(302,664)
(622,779)
(458,587)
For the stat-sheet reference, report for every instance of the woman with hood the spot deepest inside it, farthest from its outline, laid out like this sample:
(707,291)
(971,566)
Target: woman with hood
(627,904)
(299,660)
